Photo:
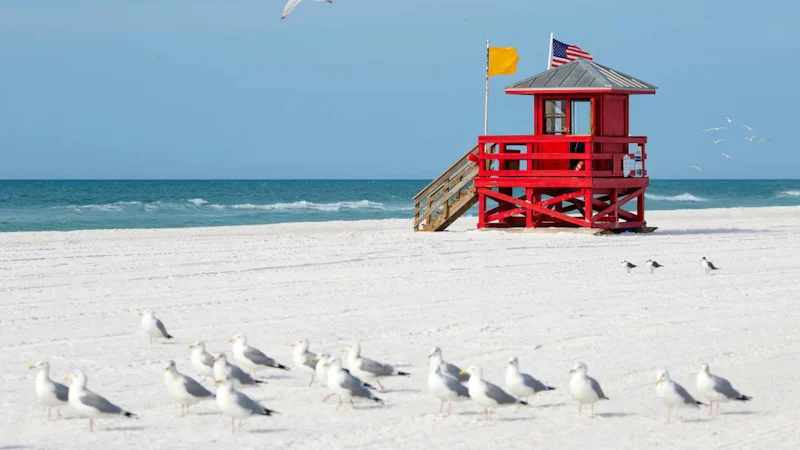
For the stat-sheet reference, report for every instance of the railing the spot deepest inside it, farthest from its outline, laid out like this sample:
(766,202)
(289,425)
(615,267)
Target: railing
(448,185)
(596,148)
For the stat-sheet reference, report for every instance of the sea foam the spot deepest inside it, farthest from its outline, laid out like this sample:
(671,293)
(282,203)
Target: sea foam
(685,197)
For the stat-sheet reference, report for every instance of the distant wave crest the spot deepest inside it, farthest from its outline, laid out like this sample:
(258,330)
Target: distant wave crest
(790,193)
(685,197)
(199,203)
(304,205)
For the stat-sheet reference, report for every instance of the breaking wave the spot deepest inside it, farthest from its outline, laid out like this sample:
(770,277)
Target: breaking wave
(304,205)
(197,201)
(791,193)
(200,204)
(685,197)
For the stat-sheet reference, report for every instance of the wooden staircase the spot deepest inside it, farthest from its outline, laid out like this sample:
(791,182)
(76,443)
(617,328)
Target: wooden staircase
(446,198)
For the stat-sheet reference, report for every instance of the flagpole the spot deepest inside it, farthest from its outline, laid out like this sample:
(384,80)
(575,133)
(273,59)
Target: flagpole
(486,102)
(550,53)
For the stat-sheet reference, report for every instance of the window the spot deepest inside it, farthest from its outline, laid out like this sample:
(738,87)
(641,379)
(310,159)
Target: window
(580,117)
(555,117)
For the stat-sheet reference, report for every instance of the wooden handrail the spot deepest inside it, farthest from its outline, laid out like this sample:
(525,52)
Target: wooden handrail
(449,172)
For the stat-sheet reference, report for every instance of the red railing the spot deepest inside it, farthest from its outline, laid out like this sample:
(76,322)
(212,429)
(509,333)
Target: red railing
(505,161)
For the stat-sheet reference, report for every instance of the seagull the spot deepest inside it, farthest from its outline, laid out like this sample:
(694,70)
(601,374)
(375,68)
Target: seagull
(48,392)
(584,388)
(672,394)
(715,129)
(305,359)
(696,167)
(708,265)
(435,356)
(237,405)
(764,139)
(652,265)
(345,385)
(750,139)
(252,358)
(154,328)
(88,404)
(716,141)
(321,372)
(368,369)
(183,389)
(444,386)
(628,266)
(292,3)
(487,394)
(521,384)
(223,369)
(728,118)
(725,155)
(748,128)
(202,361)
(717,389)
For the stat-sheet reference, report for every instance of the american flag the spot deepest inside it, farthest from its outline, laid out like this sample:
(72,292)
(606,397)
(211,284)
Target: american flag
(564,53)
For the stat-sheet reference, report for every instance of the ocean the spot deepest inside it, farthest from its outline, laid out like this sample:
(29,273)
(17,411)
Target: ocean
(80,205)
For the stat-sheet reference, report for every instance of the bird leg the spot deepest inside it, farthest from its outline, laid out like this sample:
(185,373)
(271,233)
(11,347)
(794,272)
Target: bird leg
(354,405)
(380,385)
(233,422)
(668,409)
(441,406)
(240,425)
(591,413)
(486,414)
(48,412)
(717,409)
(327,397)
(181,411)
(579,408)
(710,409)
(312,380)
(91,425)
(449,408)
(340,403)
(58,412)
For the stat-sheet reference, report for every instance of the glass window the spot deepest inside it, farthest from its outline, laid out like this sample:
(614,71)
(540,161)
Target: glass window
(555,117)
(581,117)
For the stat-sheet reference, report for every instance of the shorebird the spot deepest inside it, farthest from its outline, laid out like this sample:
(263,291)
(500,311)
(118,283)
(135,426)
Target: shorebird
(290,5)
(445,387)
(435,356)
(672,394)
(521,384)
(252,358)
(182,389)
(716,141)
(715,129)
(202,361)
(727,118)
(585,389)
(304,359)
(48,392)
(487,394)
(88,404)
(696,167)
(748,128)
(153,327)
(708,265)
(717,389)
(628,266)
(237,405)
(367,369)
(725,155)
(652,265)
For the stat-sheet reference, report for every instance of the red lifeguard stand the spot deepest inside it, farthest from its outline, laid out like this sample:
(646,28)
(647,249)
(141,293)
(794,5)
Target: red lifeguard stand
(578,168)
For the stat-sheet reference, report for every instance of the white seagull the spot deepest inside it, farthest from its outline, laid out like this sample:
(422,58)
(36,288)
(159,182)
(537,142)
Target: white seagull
(435,356)
(708,266)
(652,265)
(153,327)
(184,390)
(672,394)
(728,118)
(715,129)
(223,369)
(725,155)
(764,139)
(717,389)
(444,386)
(628,266)
(252,358)
(345,385)
(716,141)
(290,5)
(304,359)
(750,139)
(521,384)
(696,167)
(48,392)
(368,369)
(88,404)
(584,389)
(237,405)
(487,394)
(748,128)
(202,361)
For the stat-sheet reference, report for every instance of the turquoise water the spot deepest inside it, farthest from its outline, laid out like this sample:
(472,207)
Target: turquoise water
(78,205)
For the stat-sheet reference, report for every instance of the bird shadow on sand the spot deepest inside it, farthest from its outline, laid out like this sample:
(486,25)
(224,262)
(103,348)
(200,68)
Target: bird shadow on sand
(275,377)
(739,413)
(710,231)
(207,413)
(267,430)
(613,414)
(548,405)
(389,391)
(512,419)
(132,428)
(13,447)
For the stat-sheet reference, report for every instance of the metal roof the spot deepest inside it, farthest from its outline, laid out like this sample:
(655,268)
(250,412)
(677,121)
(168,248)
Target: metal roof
(581,75)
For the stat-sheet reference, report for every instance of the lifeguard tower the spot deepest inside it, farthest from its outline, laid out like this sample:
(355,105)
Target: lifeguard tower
(579,168)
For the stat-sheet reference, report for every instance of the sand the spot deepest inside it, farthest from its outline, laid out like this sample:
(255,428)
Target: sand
(550,299)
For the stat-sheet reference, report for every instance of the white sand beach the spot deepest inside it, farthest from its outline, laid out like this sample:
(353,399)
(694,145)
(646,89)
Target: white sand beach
(552,300)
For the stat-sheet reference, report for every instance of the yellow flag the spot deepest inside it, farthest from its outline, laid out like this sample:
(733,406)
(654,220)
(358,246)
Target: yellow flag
(502,61)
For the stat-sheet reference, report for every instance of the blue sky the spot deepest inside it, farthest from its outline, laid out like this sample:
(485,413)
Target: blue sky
(371,89)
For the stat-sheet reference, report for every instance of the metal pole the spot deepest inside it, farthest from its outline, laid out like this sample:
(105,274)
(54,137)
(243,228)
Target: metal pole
(550,53)
(486,102)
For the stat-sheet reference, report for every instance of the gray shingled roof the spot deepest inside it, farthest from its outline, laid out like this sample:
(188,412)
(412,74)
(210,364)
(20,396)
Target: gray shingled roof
(582,74)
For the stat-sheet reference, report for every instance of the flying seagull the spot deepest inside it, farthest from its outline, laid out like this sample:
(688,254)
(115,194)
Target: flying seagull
(715,129)
(727,118)
(653,265)
(748,127)
(628,266)
(725,155)
(716,141)
(750,139)
(696,167)
(764,139)
(290,5)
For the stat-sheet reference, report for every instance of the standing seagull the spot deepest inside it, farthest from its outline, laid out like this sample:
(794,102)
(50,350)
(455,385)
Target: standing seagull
(628,266)
(716,141)
(445,387)
(345,385)
(584,389)
(368,369)
(435,356)
(487,394)
(708,265)
(202,361)
(672,394)
(252,358)
(88,404)
(183,389)
(521,384)
(223,369)
(717,389)
(237,405)
(652,265)
(48,392)
(292,3)
(153,327)
(304,359)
